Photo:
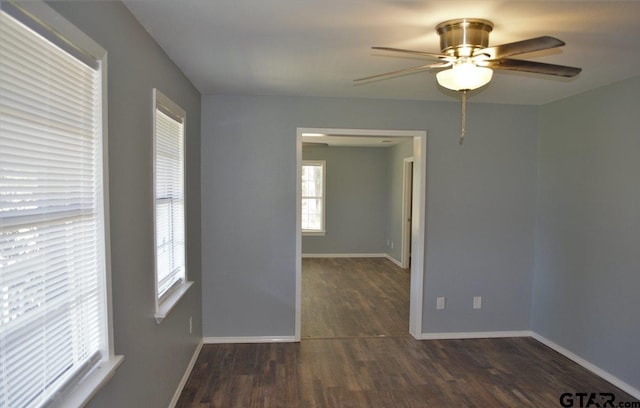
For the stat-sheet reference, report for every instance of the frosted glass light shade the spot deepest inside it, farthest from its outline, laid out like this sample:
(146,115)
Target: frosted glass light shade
(465,76)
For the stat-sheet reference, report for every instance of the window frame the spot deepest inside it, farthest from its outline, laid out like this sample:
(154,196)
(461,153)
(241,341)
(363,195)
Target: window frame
(45,21)
(165,302)
(322,231)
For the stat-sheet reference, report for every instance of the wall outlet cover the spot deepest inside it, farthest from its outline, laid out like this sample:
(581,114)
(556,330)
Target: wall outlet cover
(477,302)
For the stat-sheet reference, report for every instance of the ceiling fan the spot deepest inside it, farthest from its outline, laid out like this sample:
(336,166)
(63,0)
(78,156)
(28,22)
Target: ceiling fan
(466,61)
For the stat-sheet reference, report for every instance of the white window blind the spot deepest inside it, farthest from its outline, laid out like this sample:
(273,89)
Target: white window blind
(53,323)
(313,196)
(169,196)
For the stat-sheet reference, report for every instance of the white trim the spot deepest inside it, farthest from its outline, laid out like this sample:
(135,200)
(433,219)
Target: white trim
(395,261)
(323,198)
(363,132)
(312,233)
(418,233)
(250,339)
(114,359)
(185,376)
(171,301)
(90,385)
(475,335)
(418,224)
(407,191)
(60,26)
(166,303)
(634,392)
(368,255)
(297,324)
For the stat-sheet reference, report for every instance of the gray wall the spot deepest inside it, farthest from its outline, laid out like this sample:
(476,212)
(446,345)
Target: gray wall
(156,356)
(480,208)
(364,199)
(587,271)
(356,200)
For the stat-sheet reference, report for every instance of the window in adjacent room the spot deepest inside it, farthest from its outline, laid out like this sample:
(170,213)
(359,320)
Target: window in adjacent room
(55,303)
(169,203)
(313,197)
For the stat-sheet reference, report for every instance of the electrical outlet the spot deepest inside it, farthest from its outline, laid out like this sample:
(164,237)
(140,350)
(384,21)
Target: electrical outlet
(477,302)
(441,302)
(190,325)
(391,244)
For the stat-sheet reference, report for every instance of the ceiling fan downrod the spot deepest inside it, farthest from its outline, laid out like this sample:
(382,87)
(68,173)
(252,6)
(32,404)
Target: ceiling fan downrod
(464,117)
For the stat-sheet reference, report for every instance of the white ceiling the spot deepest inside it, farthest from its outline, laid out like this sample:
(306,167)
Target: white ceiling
(317,47)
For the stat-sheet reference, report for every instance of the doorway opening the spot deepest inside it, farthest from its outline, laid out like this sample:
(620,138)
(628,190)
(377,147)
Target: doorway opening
(413,234)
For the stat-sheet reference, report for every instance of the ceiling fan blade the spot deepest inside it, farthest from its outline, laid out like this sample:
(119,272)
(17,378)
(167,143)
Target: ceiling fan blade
(531,66)
(411,70)
(421,53)
(521,47)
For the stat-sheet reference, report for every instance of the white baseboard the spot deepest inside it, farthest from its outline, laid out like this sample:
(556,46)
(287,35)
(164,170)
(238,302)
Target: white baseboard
(250,339)
(368,255)
(185,376)
(475,335)
(394,260)
(634,392)
(589,366)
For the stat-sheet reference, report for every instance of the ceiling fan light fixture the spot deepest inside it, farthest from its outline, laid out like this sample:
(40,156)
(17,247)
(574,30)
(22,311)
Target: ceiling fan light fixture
(464,76)
(465,52)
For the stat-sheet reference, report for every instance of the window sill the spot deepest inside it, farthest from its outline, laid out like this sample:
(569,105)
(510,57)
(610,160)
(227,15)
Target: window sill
(314,233)
(169,303)
(90,385)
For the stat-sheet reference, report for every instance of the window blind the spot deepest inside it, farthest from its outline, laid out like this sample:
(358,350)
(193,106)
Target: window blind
(169,200)
(52,256)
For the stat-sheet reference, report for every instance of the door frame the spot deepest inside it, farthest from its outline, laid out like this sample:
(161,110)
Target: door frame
(407,205)
(418,225)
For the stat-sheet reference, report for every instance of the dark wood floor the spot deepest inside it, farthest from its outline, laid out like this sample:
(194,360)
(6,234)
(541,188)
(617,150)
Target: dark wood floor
(354,297)
(355,352)
(387,372)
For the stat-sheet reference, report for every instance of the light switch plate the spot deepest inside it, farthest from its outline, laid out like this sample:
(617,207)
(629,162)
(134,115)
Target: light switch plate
(477,302)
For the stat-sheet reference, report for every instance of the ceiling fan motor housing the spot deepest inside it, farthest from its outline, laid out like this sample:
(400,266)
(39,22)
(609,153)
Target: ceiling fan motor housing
(460,37)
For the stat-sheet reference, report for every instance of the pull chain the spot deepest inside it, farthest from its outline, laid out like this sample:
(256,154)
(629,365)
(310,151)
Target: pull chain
(464,117)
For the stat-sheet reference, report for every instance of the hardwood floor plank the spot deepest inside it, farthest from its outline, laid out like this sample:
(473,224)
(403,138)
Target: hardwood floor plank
(352,297)
(356,352)
(387,372)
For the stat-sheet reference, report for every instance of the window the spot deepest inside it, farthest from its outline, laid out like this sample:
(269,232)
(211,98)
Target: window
(313,200)
(55,325)
(169,203)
